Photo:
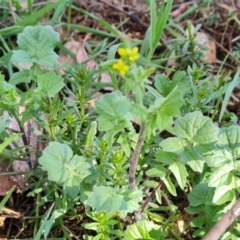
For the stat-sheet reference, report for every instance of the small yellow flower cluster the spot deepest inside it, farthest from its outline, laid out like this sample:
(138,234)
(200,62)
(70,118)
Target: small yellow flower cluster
(127,57)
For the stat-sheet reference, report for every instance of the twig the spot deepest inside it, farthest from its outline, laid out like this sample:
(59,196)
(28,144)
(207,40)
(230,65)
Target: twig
(71,233)
(12,11)
(221,226)
(151,196)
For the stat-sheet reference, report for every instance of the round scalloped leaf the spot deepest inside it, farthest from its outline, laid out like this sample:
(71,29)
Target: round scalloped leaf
(62,166)
(36,45)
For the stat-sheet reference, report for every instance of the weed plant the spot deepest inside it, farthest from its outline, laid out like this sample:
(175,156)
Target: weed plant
(116,170)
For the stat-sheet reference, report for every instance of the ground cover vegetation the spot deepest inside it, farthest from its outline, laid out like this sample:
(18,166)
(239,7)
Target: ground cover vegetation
(121,125)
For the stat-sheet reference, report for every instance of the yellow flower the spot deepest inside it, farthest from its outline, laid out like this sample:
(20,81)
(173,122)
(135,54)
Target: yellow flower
(123,52)
(131,54)
(121,67)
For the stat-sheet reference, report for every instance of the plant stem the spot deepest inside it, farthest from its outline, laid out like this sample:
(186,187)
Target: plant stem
(135,156)
(36,225)
(151,196)
(134,162)
(82,102)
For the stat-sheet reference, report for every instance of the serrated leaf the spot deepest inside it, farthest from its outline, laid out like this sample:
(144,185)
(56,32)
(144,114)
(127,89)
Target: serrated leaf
(179,171)
(196,128)
(49,83)
(37,46)
(164,109)
(62,166)
(144,230)
(201,194)
(107,199)
(196,136)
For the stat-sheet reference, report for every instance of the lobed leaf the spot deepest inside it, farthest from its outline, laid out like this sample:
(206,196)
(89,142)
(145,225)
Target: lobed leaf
(107,199)
(36,45)
(62,166)
(201,194)
(164,109)
(49,83)
(144,230)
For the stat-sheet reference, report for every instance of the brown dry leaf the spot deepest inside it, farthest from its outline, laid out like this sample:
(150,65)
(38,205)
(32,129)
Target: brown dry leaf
(6,182)
(210,54)
(182,223)
(2,219)
(65,58)
(9,213)
(176,13)
(227,7)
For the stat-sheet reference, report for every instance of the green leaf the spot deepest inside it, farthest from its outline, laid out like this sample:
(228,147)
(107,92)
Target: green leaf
(4,122)
(4,86)
(196,128)
(115,115)
(107,199)
(221,176)
(144,230)
(113,109)
(157,171)
(231,86)
(223,194)
(196,136)
(198,221)
(6,198)
(171,188)
(62,166)
(37,46)
(20,77)
(165,86)
(163,110)
(201,194)
(9,140)
(50,83)
(49,223)
(180,173)
(166,157)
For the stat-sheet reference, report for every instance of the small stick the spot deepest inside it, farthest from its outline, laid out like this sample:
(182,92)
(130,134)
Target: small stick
(221,226)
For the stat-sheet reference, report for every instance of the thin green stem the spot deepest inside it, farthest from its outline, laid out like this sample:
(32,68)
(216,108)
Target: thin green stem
(82,101)
(36,225)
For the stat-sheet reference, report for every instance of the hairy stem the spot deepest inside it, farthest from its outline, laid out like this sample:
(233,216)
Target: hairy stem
(135,156)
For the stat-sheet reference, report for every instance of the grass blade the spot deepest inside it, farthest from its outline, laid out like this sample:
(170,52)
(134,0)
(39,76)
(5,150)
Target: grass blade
(232,85)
